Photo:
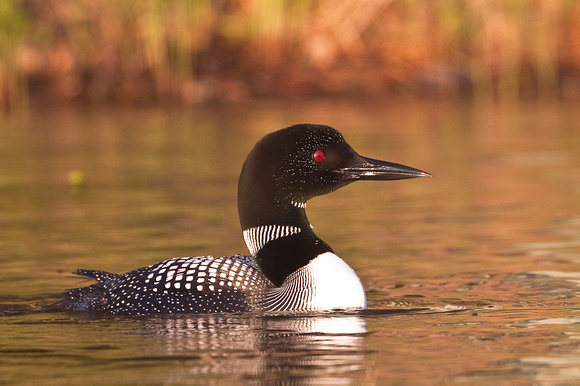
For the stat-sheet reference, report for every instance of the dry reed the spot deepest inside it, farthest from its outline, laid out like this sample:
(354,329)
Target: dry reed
(194,51)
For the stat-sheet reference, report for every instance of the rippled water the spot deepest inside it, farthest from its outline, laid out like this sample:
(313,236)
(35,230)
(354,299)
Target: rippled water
(472,276)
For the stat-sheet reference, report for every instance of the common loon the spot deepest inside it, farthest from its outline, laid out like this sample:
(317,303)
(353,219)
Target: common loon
(290,268)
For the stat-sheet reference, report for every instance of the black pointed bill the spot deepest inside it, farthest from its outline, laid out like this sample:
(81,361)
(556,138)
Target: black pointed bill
(377,170)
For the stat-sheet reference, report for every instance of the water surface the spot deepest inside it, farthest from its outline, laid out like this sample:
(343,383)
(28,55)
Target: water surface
(471,276)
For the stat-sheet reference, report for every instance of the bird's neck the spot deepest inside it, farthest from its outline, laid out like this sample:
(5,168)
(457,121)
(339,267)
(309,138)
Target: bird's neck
(281,239)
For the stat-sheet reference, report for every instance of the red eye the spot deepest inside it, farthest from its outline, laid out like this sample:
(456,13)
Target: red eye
(319,156)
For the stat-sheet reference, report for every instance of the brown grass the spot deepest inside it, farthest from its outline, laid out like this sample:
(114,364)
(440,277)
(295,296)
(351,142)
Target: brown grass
(195,51)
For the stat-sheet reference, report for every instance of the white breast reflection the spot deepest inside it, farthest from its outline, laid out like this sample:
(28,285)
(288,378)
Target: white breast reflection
(324,346)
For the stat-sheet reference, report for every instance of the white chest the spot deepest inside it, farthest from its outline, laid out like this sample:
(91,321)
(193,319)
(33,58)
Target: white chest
(326,283)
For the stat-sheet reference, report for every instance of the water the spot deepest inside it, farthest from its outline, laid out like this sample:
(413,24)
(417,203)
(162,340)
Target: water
(472,276)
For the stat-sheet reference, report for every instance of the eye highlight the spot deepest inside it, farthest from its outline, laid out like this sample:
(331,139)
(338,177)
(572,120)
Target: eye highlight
(318,156)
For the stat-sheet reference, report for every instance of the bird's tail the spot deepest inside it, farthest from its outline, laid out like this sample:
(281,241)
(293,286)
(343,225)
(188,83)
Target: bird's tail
(93,297)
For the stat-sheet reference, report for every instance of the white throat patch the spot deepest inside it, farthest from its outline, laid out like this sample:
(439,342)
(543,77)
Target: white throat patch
(301,205)
(257,237)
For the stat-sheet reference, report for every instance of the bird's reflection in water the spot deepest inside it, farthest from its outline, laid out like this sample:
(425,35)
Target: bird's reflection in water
(300,347)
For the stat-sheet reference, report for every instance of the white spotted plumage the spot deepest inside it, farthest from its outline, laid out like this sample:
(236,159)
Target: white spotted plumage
(208,272)
(185,284)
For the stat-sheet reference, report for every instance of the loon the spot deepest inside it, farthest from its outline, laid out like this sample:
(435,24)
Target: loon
(290,268)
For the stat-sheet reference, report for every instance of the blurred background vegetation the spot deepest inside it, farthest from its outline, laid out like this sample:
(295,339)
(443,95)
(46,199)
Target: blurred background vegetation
(179,51)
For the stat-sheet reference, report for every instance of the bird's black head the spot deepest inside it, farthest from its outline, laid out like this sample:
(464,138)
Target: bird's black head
(290,166)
